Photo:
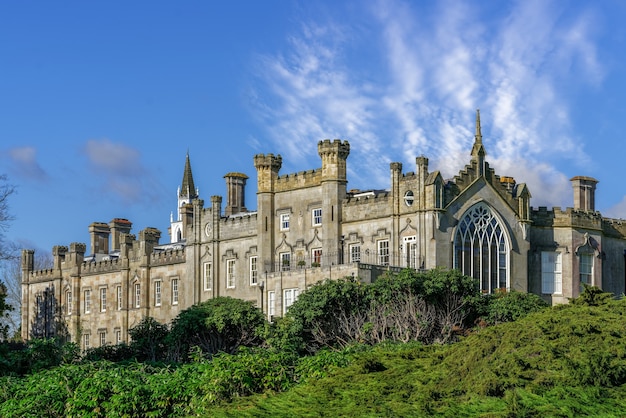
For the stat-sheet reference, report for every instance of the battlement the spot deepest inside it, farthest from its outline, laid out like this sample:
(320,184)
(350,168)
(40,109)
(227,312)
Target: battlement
(167,257)
(103,266)
(42,275)
(337,147)
(366,198)
(299,180)
(568,217)
(268,162)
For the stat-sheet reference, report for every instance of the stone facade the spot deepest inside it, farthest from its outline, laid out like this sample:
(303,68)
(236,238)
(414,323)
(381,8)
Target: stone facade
(308,227)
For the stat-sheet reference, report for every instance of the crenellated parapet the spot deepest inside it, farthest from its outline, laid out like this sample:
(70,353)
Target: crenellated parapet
(570,217)
(104,266)
(299,180)
(167,257)
(44,275)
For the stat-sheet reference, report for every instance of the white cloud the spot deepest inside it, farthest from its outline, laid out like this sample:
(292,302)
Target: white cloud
(24,163)
(118,172)
(434,66)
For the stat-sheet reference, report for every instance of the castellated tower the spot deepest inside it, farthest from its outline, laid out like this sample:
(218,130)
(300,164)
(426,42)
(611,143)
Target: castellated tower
(334,155)
(267,167)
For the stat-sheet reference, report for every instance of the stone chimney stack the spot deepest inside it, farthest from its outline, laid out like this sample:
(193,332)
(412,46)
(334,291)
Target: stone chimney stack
(99,233)
(118,227)
(235,193)
(584,193)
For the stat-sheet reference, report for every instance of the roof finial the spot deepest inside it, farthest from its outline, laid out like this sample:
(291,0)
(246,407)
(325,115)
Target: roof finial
(479,135)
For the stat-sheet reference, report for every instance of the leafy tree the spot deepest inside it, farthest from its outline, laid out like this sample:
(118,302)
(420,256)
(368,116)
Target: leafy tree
(592,296)
(218,325)
(148,340)
(511,306)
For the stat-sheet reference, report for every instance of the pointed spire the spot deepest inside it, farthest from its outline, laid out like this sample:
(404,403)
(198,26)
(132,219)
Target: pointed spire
(188,189)
(478,150)
(479,135)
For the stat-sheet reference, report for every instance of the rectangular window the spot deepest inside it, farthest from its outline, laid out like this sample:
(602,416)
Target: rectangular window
(118,336)
(271,304)
(289,297)
(86,343)
(87,301)
(157,293)
(137,295)
(284,221)
(208,276)
(383,252)
(174,291)
(285,261)
(355,253)
(230,274)
(103,338)
(103,299)
(118,296)
(254,272)
(68,302)
(316,257)
(551,273)
(317,217)
(586,269)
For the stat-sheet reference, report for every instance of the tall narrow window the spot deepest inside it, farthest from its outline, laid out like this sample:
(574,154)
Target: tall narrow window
(586,268)
(383,252)
(103,299)
(118,336)
(316,257)
(208,276)
(68,302)
(86,342)
(157,293)
(271,304)
(410,252)
(481,248)
(284,221)
(289,297)
(551,272)
(230,274)
(174,291)
(254,272)
(137,295)
(118,297)
(317,216)
(285,261)
(87,301)
(355,253)
(103,338)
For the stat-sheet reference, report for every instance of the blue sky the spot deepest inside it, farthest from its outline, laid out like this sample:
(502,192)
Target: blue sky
(101,101)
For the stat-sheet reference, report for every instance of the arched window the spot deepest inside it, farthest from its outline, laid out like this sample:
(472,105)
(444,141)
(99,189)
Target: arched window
(481,248)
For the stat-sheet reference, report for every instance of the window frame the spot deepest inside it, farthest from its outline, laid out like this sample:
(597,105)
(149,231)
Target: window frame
(316,216)
(103,299)
(230,273)
(286,256)
(87,301)
(158,296)
(284,221)
(289,300)
(207,272)
(119,297)
(137,295)
(175,291)
(271,303)
(68,302)
(254,271)
(316,256)
(551,273)
(352,248)
(382,252)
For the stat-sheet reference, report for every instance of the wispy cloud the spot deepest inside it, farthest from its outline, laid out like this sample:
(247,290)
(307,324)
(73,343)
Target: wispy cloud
(24,164)
(434,66)
(118,171)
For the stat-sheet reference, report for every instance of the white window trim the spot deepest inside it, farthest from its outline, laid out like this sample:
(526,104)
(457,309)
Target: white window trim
(289,298)
(157,293)
(351,247)
(68,301)
(230,273)
(284,221)
(383,256)
(316,219)
(119,297)
(87,301)
(271,304)
(552,274)
(137,295)
(208,276)
(254,271)
(175,291)
(103,299)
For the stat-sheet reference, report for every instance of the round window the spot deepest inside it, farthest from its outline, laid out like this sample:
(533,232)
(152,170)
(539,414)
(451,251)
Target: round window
(408,198)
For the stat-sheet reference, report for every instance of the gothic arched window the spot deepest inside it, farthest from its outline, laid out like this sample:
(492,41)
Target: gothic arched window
(481,248)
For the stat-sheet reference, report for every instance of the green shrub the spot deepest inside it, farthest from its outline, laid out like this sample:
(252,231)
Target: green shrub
(511,306)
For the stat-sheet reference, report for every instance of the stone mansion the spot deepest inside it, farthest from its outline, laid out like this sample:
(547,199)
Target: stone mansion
(309,226)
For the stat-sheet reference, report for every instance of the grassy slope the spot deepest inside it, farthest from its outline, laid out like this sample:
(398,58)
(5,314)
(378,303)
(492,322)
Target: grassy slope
(565,361)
